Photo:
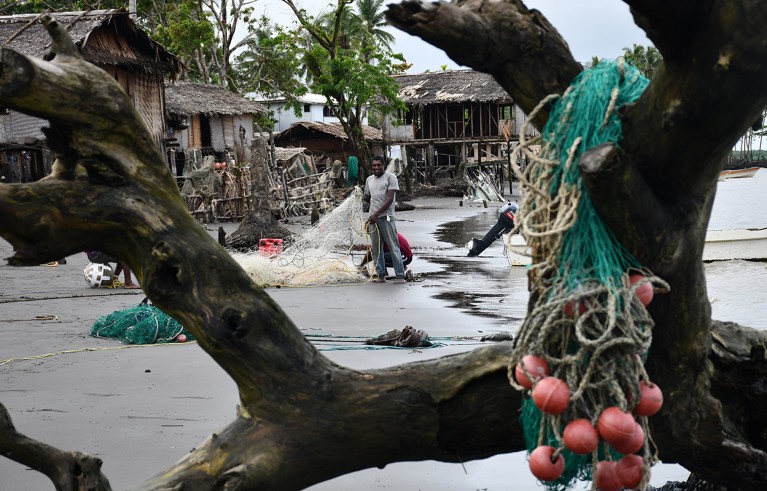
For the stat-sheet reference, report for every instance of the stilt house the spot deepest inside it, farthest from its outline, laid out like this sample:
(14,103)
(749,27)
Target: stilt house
(453,119)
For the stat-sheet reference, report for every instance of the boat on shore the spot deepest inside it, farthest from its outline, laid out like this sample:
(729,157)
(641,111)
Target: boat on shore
(738,173)
(720,245)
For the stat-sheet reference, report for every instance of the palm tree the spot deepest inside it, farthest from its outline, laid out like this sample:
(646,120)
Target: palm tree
(370,12)
(647,60)
(358,26)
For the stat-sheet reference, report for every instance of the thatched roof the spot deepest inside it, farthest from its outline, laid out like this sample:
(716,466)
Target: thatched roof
(304,129)
(137,52)
(287,153)
(450,86)
(186,98)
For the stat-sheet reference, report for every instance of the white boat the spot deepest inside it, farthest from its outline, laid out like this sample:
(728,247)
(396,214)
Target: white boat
(722,245)
(738,173)
(517,251)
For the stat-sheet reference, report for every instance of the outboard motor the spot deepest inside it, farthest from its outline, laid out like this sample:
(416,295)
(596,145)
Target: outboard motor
(504,225)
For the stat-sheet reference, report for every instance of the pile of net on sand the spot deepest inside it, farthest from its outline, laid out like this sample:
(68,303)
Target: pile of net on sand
(324,254)
(587,322)
(142,324)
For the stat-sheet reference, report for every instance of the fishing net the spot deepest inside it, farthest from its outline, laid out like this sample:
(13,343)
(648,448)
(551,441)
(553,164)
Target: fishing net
(322,255)
(586,320)
(143,324)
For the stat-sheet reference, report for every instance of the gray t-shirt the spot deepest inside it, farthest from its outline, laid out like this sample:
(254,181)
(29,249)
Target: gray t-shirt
(376,188)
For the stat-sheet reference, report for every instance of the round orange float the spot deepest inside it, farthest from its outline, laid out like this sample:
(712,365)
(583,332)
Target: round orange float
(535,366)
(650,399)
(606,477)
(615,425)
(551,395)
(541,465)
(629,471)
(644,291)
(580,436)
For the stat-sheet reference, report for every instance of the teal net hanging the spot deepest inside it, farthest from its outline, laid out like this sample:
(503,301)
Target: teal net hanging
(586,320)
(143,324)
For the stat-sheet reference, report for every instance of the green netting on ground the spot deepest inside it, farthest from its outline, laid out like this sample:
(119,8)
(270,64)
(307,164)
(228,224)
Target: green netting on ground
(144,324)
(585,321)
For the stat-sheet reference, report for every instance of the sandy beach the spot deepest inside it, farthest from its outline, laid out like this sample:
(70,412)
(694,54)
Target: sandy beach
(142,408)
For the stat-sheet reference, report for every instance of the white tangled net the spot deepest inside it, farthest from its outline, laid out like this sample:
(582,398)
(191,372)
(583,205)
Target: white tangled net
(322,255)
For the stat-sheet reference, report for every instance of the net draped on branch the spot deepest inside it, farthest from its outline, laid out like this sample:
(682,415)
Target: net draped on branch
(586,321)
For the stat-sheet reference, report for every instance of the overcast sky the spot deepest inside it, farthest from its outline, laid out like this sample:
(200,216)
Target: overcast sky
(591,28)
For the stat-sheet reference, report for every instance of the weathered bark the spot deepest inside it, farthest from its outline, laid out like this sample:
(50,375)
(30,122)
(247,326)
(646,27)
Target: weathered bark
(656,193)
(110,181)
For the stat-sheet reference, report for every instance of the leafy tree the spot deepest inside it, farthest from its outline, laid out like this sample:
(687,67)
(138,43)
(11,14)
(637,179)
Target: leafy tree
(351,67)
(646,59)
(186,31)
(271,64)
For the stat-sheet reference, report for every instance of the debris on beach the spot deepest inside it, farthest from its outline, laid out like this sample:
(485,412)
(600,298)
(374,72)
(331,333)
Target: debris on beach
(409,337)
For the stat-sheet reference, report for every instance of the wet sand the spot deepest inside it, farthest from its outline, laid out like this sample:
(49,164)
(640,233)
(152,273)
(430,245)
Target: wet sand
(140,409)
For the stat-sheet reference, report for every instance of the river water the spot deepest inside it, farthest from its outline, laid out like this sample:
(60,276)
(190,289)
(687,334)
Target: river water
(738,289)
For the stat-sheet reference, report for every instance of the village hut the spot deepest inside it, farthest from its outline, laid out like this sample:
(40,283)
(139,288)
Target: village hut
(326,141)
(453,118)
(206,119)
(109,39)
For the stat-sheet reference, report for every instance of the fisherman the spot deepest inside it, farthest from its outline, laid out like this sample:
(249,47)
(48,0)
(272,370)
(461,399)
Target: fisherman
(405,252)
(380,191)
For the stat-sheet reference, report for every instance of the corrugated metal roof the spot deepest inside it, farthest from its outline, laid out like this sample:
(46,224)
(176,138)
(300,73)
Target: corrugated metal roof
(450,86)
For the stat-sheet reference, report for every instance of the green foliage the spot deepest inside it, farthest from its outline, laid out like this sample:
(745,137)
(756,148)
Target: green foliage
(646,59)
(186,32)
(271,64)
(347,58)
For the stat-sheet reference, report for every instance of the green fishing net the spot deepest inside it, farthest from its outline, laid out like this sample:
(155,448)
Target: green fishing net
(143,324)
(585,320)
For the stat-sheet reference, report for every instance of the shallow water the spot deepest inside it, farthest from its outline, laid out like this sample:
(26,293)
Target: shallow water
(487,286)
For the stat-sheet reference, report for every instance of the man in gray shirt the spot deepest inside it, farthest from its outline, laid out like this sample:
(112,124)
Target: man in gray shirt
(380,192)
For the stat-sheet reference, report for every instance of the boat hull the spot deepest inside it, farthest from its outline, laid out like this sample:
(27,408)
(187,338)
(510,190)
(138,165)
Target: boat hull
(722,245)
(738,173)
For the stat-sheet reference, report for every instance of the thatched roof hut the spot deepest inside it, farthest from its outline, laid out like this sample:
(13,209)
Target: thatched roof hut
(326,141)
(135,48)
(187,98)
(450,86)
(315,129)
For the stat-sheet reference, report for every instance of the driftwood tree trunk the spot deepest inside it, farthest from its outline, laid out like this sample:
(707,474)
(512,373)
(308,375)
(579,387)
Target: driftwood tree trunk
(656,193)
(299,410)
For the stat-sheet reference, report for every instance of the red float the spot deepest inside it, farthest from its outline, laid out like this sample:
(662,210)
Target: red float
(541,465)
(606,477)
(570,310)
(580,436)
(535,366)
(644,291)
(650,399)
(181,338)
(615,425)
(551,395)
(631,444)
(629,471)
